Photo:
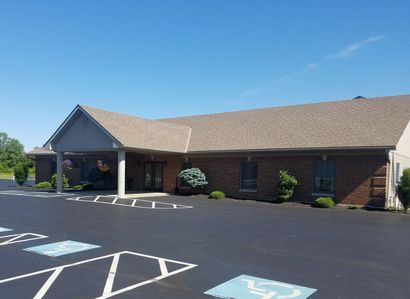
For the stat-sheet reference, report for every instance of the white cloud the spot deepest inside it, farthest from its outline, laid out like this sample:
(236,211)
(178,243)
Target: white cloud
(305,69)
(250,92)
(352,48)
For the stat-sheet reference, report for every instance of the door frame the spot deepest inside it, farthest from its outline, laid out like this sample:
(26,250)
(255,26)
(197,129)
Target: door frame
(153,189)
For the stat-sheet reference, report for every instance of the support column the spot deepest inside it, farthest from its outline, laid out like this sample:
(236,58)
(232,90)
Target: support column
(60,186)
(121,174)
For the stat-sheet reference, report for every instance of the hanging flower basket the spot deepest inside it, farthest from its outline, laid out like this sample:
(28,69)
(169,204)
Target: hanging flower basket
(103,166)
(68,164)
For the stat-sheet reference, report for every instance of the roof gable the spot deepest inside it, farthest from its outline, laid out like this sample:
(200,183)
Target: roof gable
(142,134)
(80,132)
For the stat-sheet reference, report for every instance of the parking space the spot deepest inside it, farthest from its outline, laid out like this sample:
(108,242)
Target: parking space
(38,194)
(107,269)
(222,249)
(130,202)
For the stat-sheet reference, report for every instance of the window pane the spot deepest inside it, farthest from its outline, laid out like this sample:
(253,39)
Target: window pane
(324,178)
(249,171)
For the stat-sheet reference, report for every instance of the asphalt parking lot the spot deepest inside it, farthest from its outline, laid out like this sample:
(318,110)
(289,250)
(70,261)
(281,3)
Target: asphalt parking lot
(91,250)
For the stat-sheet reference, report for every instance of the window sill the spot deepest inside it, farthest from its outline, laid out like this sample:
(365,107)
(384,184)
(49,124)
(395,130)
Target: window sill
(248,190)
(323,194)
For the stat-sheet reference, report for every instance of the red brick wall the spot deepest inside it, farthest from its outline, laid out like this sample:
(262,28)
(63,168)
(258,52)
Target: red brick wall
(43,168)
(359,179)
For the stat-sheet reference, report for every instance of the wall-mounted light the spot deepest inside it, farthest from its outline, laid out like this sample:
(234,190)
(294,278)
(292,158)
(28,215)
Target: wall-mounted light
(249,158)
(324,157)
(152,157)
(164,163)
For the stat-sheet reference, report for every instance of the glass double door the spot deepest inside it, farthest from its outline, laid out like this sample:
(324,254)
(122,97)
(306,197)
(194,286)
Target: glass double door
(153,176)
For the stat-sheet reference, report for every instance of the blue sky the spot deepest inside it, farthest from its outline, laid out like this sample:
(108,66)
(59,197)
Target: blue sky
(169,58)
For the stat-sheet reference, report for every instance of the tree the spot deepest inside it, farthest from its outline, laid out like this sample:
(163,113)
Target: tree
(286,186)
(194,177)
(12,154)
(403,189)
(20,174)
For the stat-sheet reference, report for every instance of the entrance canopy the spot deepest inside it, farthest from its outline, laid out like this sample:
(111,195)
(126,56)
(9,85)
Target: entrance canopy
(89,129)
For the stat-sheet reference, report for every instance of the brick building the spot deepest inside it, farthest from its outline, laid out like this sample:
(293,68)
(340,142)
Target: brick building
(353,150)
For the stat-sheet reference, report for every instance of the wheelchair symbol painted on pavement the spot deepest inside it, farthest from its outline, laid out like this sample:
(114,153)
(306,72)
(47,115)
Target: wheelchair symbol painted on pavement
(61,248)
(265,293)
(250,287)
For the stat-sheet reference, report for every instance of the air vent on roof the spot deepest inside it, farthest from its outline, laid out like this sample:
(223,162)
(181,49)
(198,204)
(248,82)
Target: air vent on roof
(358,98)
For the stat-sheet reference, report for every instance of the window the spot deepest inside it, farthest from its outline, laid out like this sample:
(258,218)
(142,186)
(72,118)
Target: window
(325,172)
(185,165)
(249,175)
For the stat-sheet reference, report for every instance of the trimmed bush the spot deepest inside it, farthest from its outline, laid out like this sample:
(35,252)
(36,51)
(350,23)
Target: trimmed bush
(88,187)
(403,189)
(20,174)
(53,181)
(217,195)
(324,202)
(42,185)
(286,186)
(78,187)
(194,177)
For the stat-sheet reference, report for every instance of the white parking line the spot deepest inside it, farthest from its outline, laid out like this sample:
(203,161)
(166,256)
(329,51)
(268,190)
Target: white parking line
(133,202)
(34,193)
(107,292)
(113,271)
(18,238)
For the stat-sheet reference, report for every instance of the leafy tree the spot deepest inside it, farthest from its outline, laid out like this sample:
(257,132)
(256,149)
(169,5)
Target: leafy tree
(286,186)
(12,154)
(194,177)
(403,189)
(20,174)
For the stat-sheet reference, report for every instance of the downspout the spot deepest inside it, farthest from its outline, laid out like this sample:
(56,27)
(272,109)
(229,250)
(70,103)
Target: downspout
(388,181)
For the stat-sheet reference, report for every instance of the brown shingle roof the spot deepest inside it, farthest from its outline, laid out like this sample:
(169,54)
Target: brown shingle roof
(39,151)
(362,123)
(140,133)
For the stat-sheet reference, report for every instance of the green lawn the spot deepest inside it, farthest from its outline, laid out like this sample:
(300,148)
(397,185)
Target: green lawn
(6,175)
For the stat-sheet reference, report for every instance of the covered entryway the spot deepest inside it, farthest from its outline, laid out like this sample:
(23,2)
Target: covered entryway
(88,131)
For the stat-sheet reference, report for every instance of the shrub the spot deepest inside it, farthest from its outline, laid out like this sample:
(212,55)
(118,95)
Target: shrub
(42,185)
(194,177)
(403,189)
(53,181)
(286,186)
(88,187)
(217,195)
(20,174)
(324,202)
(78,187)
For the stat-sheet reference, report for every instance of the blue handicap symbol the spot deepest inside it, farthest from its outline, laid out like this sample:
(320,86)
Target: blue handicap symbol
(250,287)
(61,248)
(3,229)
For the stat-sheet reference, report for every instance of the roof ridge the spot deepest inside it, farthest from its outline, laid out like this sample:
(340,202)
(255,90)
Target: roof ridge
(85,107)
(286,106)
